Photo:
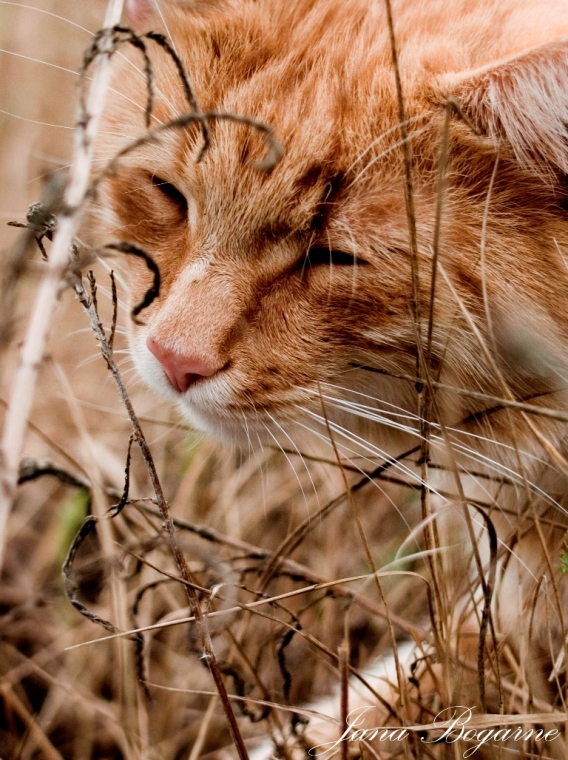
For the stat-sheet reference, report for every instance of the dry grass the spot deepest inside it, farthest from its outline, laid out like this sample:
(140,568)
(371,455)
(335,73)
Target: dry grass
(65,694)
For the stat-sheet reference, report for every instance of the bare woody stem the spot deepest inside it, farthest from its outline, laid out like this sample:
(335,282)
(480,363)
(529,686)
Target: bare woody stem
(168,523)
(23,387)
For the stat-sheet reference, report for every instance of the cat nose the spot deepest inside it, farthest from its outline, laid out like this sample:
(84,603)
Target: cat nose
(182,371)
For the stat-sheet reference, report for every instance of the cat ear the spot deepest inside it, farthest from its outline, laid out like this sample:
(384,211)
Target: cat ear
(524,101)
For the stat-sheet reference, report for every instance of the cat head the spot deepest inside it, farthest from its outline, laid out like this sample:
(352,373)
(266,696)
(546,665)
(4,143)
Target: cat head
(277,285)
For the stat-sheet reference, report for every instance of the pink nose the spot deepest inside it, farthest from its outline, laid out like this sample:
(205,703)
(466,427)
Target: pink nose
(182,371)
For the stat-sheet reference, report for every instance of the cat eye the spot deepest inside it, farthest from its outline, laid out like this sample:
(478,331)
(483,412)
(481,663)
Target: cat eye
(171,192)
(326,256)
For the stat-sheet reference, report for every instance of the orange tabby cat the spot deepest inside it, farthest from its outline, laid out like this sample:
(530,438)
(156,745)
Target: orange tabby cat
(278,286)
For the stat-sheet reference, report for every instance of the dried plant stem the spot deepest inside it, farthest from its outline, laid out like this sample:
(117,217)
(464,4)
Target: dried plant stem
(408,188)
(265,600)
(23,387)
(125,670)
(203,729)
(14,704)
(424,394)
(343,652)
(168,523)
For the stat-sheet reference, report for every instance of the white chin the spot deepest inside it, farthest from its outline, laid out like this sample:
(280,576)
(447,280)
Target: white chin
(222,428)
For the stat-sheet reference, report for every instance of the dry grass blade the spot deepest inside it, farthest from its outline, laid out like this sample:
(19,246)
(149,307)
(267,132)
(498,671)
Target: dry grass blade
(14,704)
(252,605)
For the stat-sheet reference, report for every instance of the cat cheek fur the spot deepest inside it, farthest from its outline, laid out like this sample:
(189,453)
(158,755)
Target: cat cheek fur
(518,106)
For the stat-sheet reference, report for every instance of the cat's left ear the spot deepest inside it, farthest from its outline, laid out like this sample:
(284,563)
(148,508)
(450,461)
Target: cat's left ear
(522,100)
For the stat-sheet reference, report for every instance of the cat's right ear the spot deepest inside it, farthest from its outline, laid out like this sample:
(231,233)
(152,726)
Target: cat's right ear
(523,101)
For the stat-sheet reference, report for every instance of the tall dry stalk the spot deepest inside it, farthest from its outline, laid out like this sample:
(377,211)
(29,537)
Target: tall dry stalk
(24,383)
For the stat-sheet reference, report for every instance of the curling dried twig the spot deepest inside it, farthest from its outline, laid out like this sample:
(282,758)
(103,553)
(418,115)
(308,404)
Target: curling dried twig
(114,320)
(124,34)
(88,527)
(32,469)
(70,587)
(124,498)
(486,617)
(162,42)
(153,291)
(273,155)
(118,35)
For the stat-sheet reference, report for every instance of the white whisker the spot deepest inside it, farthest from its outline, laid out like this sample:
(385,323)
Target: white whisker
(325,438)
(381,137)
(278,444)
(367,446)
(299,454)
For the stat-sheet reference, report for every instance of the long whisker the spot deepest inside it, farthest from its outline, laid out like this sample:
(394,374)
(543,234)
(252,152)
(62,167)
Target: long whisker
(438,440)
(365,445)
(262,477)
(409,415)
(457,433)
(480,458)
(36,121)
(386,133)
(75,73)
(323,437)
(279,426)
(47,13)
(277,442)
(164,22)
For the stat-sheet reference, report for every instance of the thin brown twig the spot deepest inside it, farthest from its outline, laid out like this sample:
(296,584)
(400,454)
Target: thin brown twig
(207,644)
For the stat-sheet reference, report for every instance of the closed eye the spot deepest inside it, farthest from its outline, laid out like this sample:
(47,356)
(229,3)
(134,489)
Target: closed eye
(171,192)
(326,256)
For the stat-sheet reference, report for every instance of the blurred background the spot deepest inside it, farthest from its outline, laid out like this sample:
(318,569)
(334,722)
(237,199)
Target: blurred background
(87,702)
